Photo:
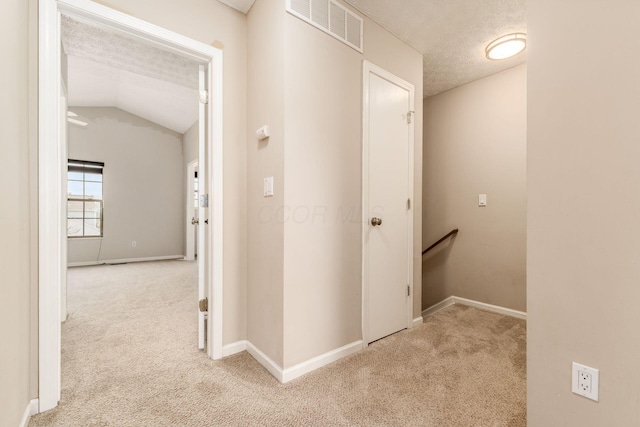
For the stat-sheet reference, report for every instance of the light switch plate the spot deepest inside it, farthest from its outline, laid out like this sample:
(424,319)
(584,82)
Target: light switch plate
(268,186)
(482,200)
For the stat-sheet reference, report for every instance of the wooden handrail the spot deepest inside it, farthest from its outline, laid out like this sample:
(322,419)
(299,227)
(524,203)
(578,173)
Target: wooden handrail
(445,237)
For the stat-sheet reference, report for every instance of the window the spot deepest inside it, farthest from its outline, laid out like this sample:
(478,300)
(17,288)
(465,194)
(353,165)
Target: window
(84,199)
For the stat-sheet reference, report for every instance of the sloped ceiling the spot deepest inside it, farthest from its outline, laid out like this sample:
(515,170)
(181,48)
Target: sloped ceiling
(109,70)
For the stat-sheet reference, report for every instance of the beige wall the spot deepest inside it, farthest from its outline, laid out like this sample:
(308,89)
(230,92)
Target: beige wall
(266,233)
(15,214)
(323,181)
(143,186)
(583,244)
(475,142)
(304,257)
(209,21)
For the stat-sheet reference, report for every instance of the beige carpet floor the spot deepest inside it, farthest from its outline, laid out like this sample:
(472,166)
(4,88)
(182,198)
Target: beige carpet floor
(129,359)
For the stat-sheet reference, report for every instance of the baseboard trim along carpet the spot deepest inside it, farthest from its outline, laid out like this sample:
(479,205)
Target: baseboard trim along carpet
(286,375)
(471,303)
(320,361)
(418,321)
(234,348)
(29,411)
(265,361)
(124,260)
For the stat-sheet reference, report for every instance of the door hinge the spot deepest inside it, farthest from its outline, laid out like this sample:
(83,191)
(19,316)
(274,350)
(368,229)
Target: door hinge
(204,305)
(410,116)
(204,96)
(408,290)
(408,204)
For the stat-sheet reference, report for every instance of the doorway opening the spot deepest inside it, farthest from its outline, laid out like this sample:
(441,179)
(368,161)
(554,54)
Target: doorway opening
(53,170)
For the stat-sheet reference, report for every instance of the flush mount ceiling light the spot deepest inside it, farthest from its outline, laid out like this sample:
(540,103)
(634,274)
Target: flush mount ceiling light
(506,46)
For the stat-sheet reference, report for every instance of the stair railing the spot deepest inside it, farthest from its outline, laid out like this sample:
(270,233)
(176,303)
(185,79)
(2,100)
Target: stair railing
(442,239)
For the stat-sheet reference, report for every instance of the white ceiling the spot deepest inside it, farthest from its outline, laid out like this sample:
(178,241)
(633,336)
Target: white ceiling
(451,35)
(109,70)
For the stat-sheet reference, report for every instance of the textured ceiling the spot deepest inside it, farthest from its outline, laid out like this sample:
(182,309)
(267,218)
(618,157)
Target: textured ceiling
(241,5)
(450,34)
(92,84)
(109,70)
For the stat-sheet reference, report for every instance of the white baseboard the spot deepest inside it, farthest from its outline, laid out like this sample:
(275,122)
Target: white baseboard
(418,321)
(471,303)
(234,348)
(29,411)
(320,361)
(286,375)
(438,306)
(265,361)
(124,260)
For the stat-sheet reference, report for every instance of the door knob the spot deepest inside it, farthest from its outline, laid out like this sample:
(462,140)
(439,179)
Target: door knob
(376,221)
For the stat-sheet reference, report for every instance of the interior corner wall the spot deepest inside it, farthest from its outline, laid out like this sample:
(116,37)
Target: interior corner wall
(265,25)
(475,143)
(209,22)
(583,205)
(323,182)
(142,186)
(15,245)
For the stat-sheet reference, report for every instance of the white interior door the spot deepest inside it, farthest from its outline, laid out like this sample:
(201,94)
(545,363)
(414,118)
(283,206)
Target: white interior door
(193,203)
(387,210)
(203,190)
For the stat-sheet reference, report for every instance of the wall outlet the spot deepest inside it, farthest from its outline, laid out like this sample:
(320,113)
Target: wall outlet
(585,381)
(133,243)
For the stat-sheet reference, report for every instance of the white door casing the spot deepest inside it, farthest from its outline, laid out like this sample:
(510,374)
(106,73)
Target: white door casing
(203,188)
(65,240)
(387,158)
(52,166)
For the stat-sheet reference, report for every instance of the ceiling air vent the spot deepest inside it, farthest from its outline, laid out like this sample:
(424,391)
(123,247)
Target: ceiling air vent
(332,18)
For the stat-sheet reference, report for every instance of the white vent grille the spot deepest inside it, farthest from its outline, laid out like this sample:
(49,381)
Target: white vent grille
(330,17)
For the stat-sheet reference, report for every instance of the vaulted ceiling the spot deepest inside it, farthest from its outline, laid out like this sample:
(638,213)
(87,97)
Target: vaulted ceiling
(109,70)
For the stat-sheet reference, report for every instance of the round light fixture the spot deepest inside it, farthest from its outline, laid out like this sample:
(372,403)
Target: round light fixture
(506,46)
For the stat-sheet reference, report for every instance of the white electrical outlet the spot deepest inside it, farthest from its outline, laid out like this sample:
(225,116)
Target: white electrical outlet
(133,243)
(585,381)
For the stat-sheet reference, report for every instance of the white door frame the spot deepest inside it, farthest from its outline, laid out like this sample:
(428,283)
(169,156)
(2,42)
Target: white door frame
(367,69)
(52,172)
(189,254)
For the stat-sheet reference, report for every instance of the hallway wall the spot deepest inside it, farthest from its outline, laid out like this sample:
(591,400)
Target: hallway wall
(475,143)
(305,282)
(15,244)
(583,238)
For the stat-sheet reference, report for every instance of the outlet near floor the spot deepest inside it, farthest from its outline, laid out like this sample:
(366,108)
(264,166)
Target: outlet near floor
(584,381)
